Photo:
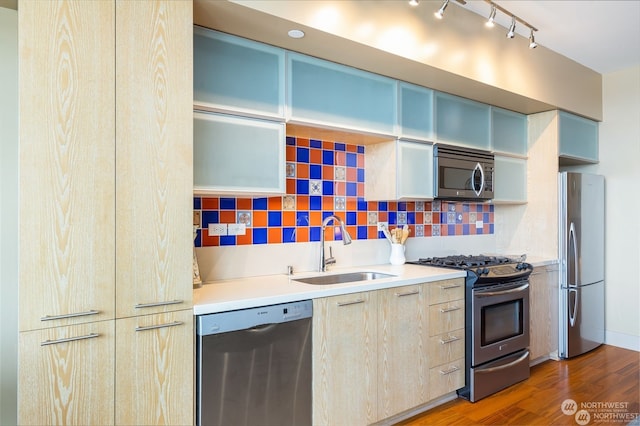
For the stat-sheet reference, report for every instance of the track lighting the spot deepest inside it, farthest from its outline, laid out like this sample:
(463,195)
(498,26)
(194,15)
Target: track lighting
(440,11)
(492,17)
(413,2)
(532,40)
(512,28)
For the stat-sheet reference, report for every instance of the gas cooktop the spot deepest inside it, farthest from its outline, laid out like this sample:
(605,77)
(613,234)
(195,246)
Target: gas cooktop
(487,269)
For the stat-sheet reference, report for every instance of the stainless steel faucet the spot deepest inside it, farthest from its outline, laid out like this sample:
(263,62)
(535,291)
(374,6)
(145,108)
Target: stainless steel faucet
(346,239)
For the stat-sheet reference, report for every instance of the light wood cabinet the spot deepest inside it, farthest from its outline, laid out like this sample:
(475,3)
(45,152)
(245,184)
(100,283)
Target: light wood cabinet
(157,371)
(345,359)
(543,313)
(66,375)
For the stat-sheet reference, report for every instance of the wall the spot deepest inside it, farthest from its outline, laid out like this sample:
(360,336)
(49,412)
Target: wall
(8,215)
(619,134)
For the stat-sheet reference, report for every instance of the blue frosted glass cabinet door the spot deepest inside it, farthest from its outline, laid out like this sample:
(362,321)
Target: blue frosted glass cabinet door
(238,155)
(329,94)
(234,74)
(415,117)
(510,180)
(578,138)
(508,131)
(415,170)
(462,121)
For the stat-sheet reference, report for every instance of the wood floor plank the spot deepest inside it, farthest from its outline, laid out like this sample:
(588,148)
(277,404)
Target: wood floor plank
(605,375)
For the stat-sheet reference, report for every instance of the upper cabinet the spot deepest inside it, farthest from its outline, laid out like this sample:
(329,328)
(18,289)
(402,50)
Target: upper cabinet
(508,131)
(510,180)
(331,95)
(461,121)
(238,75)
(578,139)
(415,112)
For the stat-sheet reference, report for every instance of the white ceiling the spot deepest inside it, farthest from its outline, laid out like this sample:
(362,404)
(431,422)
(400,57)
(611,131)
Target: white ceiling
(601,35)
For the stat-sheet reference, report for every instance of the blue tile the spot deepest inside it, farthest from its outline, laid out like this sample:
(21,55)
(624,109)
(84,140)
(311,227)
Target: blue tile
(340,147)
(352,159)
(302,218)
(491,207)
(360,149)
(465,229)
(274,218)
(411,218)
(315,143)
(302,186)
(227,240)
(288,235)
(327,187)
(352,189)
(210,216)
(361,175)
(485,217)
(198,240)
(383,206)
(362,232)
(314,233)
(479,231)
(327,157)
(259,204)
(291,140)
(392,218)
(227,203)
(491,228)
(478,207)
(326,215)
(451,230)
(197,203)
(352,218)
(315,171)
(315,202)
(259,235)
(402,206)
(362,206)
(302,155)
(465,207)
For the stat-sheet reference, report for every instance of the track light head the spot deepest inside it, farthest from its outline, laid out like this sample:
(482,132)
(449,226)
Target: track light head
(532,40)
(512,28)
(413,2)
(440,13)
(492,17)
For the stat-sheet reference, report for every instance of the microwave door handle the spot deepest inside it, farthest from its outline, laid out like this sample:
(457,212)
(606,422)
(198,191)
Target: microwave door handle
(478,167)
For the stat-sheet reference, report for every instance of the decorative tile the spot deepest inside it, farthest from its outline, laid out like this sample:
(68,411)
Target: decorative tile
(340,203)
(426,219)
(244,217)
(472,217)
(435,230)
(315,187)
(340,173)
(436,205)
(458,217)
(419,206)
(451,217)
(419,230)
(372,218)
(401,218)
(288,202)
(291,170)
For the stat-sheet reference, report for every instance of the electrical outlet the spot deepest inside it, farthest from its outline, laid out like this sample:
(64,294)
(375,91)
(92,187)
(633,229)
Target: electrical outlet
(196,218)
(383,225)
(217,229)
(237,229)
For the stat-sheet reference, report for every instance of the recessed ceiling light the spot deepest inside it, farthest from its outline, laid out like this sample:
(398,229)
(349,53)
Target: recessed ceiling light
(296,33)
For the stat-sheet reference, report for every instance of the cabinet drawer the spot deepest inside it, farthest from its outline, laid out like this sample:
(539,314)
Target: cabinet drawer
(446,347)
(445,291)
(446,378)
(446,317)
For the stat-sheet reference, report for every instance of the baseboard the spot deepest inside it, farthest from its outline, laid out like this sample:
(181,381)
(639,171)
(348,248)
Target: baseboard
(622,340)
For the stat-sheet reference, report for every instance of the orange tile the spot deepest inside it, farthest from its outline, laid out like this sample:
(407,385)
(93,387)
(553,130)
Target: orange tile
(274,235)
(459,229)
(491,218)
(352,204)
(360,189)
(444,230)
(210,203)
(329,233)
(372,232)
(427,206)
(392,206)
(315,218)
(291,186)
(302,202)
(243,204)
(302,234)
(435,218)
(465,217)
(419,218)
(427,231)
(485,228)
(341,158)
(274,203)
(327,172)
(352,148)
(328,145)
(372,206)
(411,206)
(362,218)
(291,153)
(227,216)
(243,240)
(327,203)
(208,241)
(353,231)
(352,174)
(302,171)
(288,218)
(383,216)
(315,156)
(302,141)
(360,161)
(259,218)
(340,188)
(472,229)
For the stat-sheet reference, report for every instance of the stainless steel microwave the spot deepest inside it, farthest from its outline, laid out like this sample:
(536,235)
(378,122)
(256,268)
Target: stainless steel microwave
(462,173)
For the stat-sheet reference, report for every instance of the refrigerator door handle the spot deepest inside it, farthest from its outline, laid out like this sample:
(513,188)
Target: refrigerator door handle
(573,312)
(573,244)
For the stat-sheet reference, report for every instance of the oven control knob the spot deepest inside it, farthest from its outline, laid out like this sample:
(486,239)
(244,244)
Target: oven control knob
(479,271)
(520,266)
(486,271)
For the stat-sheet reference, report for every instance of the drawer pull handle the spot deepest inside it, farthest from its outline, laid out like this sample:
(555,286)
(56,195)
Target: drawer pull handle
(353,302)
(77,314)
(68,339)
(153,327)
(151,305)
(449,371)
(451,339)
(445,310)
(408,293)
(449,287)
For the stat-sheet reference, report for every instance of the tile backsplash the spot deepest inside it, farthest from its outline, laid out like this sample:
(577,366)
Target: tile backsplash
(325,178)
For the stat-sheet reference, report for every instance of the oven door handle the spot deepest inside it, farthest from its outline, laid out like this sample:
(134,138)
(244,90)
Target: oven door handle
(502,367)
(500,293)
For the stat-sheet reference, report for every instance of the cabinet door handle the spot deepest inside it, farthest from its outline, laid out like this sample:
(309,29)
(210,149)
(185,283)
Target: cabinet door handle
(352,302)
(449,287)
(154,304)
(153,327)
(76,314)
(408,293)
(445,310)
(68,339)
(449,371)
(451,339)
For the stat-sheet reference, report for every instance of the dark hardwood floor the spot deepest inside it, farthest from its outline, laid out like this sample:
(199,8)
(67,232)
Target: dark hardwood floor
(604,382)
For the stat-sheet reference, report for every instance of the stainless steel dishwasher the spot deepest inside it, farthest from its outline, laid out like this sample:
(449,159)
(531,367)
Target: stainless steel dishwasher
(253,366)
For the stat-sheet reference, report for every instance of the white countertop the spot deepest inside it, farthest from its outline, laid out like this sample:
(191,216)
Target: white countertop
(242,293)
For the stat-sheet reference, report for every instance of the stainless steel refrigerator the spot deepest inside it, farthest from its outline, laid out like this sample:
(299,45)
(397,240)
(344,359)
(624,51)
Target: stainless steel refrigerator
(581,263)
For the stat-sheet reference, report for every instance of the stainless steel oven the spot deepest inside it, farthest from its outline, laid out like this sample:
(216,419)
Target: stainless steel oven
(462,173)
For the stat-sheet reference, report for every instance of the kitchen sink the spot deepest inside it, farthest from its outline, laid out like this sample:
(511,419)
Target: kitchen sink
(347,277)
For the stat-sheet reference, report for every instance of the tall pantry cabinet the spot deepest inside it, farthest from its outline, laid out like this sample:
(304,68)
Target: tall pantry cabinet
(106,327)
